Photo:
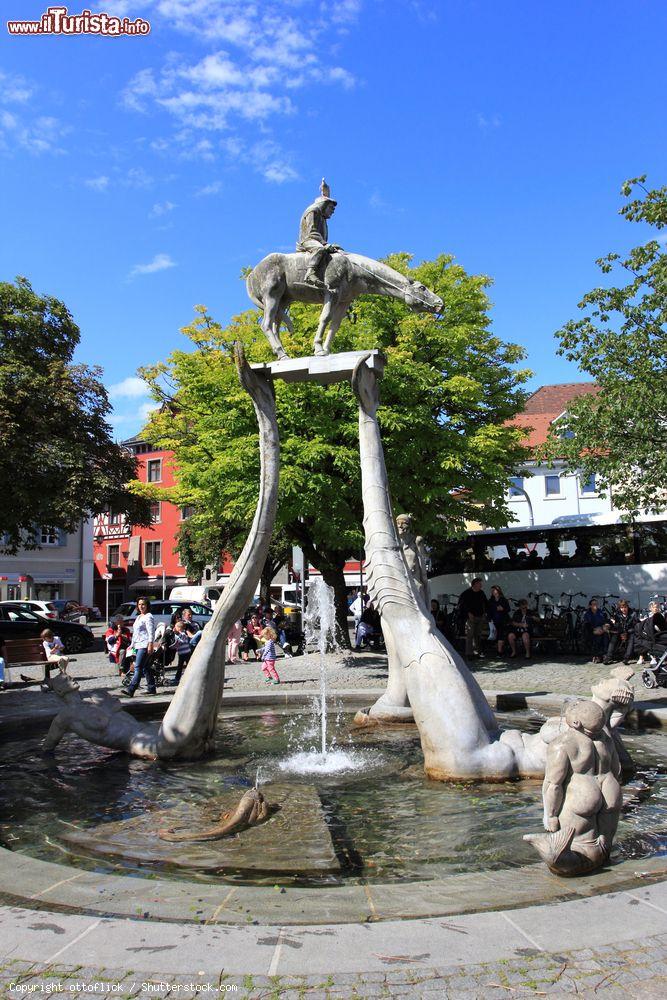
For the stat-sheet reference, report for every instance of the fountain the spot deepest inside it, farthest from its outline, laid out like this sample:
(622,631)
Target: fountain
(458,742)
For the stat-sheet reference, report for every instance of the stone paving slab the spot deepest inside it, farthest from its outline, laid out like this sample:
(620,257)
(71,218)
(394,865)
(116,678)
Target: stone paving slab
(476,955)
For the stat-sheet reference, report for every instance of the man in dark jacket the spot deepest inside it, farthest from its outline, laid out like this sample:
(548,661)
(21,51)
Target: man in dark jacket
(472,607)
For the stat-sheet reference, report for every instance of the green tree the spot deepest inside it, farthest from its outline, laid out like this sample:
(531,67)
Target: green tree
(621,341)
(58,462)
(448,390)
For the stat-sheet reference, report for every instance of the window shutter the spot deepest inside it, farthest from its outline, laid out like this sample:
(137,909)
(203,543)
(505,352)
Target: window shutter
(62,536)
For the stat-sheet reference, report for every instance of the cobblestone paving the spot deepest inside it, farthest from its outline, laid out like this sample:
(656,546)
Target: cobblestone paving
(564,675)
(632,969)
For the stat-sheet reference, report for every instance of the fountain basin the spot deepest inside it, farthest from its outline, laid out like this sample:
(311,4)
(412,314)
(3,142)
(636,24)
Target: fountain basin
(363,815)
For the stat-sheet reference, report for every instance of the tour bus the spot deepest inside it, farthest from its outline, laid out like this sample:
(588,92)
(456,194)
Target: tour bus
(594,554)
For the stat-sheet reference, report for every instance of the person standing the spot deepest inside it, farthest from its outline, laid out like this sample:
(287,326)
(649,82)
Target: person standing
(233,639)
(3,663)
(143,641)
(498,613)
(472,607)
(182,647)
(268,656)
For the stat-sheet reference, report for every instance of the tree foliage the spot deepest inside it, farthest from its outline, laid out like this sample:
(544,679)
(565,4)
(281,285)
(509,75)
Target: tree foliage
(621,341)
(448,390)
(58,462)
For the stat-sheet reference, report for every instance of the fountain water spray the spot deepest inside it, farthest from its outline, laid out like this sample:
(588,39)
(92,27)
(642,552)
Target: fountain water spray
(320,629)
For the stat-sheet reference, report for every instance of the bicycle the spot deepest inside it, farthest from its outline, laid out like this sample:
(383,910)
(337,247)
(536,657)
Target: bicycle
(574,629)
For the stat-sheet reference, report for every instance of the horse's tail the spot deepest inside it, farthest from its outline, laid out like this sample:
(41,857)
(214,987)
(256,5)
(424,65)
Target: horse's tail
(253,293)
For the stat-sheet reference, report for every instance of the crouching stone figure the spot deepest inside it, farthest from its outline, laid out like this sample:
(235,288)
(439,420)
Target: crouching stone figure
(581,794)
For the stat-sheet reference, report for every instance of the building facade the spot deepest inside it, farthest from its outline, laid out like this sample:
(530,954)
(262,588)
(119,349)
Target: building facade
(62,568)
(140,560)
(539,494)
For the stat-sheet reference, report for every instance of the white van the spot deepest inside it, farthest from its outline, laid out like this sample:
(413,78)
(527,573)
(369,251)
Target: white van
(205,595)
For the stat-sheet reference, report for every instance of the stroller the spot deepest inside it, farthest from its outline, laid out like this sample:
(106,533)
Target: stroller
(654,644)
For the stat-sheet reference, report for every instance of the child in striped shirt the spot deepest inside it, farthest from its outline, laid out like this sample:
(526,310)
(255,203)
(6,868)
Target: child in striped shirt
(268,656)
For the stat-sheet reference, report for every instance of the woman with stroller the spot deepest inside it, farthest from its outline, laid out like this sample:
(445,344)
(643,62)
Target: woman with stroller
(143,641)
(621,632)
(651,632)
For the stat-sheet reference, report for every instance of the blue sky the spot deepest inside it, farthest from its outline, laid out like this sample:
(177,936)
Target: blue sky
(140,174)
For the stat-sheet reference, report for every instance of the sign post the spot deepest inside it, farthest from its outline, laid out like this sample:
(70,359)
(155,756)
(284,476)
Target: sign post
(106,577)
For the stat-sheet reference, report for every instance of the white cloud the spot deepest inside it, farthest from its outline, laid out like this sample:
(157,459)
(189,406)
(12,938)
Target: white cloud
(213,188)
(489,121)
(14,89)
(161,262)
(268,53)
(42,135)
(161,208)
(100,183)
(131,387)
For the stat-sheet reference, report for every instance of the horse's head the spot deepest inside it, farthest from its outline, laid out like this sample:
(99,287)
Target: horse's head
(421,299)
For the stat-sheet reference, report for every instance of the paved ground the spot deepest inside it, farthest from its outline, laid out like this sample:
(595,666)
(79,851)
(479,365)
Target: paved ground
(636,967)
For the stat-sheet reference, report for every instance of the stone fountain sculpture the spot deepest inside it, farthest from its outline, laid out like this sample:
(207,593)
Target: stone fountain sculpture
(188,728)
(428,679)
(581,794)
(321,272)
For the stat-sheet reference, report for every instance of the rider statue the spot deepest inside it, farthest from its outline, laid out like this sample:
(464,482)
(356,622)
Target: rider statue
(314,235)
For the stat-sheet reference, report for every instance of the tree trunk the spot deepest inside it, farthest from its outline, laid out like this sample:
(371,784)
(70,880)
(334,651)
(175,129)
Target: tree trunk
(265,582)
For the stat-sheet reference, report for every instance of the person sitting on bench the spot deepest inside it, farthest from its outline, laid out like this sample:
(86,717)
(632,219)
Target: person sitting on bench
(53,651)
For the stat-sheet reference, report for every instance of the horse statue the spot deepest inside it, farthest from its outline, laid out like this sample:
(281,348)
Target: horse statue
(321,272)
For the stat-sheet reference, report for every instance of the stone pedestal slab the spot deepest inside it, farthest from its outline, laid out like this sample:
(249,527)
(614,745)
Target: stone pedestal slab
(324,369)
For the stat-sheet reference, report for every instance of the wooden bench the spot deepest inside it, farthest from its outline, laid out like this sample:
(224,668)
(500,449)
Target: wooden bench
(24,653)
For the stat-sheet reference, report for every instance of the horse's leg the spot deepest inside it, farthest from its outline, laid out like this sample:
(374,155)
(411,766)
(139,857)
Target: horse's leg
(337,317)
(330,302)
(271,325)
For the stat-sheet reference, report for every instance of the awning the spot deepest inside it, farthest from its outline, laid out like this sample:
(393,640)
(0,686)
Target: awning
(155,583)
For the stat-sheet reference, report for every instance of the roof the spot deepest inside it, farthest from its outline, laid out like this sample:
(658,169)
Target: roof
(545,405)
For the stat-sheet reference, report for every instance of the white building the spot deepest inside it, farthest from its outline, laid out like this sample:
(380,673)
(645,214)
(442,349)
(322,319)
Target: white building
(61,568)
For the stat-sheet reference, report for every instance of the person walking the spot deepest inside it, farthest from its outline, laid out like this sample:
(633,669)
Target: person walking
(143,641)
(268,656)
(53,651)
(472,607)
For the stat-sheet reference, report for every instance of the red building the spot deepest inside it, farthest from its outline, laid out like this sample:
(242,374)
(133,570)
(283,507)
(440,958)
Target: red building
(140,560)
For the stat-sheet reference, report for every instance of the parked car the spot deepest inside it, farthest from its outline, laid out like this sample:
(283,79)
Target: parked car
(48,609)
(72,611)
(162,611)
(18,623)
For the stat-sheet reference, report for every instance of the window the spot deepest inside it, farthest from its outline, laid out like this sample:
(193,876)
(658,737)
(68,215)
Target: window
(587,486)
(552,486)
(156,511)
(516,486)
(152,553)
(114,517)
(113,556)
(187,510)
(48,537)
(154,470)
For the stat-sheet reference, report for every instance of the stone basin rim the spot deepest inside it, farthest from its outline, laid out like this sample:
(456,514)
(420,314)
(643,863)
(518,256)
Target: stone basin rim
(47,886)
